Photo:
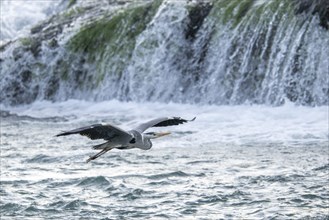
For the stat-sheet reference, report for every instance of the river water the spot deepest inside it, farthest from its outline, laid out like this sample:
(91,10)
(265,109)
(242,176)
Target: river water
(232,162)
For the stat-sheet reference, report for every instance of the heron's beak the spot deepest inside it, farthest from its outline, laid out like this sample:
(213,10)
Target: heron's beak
(160,134)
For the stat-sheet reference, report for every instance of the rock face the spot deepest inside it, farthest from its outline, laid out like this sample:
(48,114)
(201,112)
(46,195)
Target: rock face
(218,52)
(316,7)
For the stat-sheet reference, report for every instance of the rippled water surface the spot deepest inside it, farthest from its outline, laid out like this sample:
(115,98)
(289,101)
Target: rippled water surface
(243,162)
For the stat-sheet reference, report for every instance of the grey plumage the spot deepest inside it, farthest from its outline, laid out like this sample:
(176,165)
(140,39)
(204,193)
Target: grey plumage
(162,122)
(121,139)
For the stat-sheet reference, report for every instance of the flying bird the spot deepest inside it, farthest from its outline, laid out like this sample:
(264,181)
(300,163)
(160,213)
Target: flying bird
(118,138)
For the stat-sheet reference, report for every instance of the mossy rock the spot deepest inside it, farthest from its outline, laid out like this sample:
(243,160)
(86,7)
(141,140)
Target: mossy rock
(32,44)
(117,33)
(71,3)
(26,41)
(109,42)
(197,14)
(232,10)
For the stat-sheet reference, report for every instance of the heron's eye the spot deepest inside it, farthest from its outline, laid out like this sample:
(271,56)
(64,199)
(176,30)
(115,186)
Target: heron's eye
(151,133)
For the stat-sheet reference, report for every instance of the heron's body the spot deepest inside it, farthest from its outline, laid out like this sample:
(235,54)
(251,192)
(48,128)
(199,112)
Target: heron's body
(137,141)
(118,138)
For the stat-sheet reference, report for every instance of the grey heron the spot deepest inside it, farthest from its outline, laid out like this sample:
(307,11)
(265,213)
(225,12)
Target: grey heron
(118,138)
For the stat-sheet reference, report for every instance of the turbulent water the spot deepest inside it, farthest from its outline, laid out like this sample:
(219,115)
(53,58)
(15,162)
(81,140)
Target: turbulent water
(19,15)
(255,73)
(232,162)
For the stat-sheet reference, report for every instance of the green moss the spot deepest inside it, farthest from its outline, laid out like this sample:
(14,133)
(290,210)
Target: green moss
(53,43)
(223,9)
(229,10)
(32,44)
(277,8)
(64,74)
(70,13)
(234,11)
(112,40)
(71,3)
(122,27)
(26,41)
(73,12)
(242,10)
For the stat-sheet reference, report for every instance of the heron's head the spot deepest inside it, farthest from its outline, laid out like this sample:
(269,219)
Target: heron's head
(153,135)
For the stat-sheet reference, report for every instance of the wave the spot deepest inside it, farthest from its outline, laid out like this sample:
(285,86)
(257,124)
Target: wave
(249,125)
(94,181)
(7,115)
(41,158)
(168,175)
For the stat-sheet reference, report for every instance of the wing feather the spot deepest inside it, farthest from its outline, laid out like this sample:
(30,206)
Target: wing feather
(99,131)
(162,122)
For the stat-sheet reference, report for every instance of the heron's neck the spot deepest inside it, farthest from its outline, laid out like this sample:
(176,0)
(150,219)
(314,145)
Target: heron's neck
(147,143)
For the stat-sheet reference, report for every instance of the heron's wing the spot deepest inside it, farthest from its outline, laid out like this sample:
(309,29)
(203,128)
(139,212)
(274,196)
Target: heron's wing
(162,122)
(100,131)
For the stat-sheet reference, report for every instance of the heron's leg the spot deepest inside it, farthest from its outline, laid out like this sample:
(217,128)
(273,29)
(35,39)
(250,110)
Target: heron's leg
(98,154)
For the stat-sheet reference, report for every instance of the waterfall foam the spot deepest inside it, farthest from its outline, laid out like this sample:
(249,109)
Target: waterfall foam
(208,52)
(17,17)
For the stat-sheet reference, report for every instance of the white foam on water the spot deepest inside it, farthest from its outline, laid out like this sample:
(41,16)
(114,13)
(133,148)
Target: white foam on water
(242,125)
(17,16)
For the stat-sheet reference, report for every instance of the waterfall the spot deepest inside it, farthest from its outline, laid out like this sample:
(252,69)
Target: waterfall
(17,17)
(208,52)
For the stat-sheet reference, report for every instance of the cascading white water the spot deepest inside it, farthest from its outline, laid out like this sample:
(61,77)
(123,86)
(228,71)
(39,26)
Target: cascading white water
(220,52)
(233,162)
(154,72)
(270,55)
(18,16)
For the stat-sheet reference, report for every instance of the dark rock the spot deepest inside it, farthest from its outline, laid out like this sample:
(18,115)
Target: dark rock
(196,15)
(17,53)
(319,7)
(52,88)
(53,43)
(4,46)
(37,29)
(52,32)
(26,76)
(72,3)
(35,47)
(32,44)
(21,93)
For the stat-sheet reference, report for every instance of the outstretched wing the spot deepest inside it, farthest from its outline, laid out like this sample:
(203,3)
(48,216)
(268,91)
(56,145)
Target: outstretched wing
(162,122)
(100,131)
